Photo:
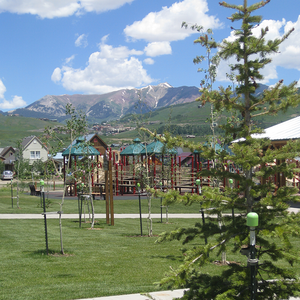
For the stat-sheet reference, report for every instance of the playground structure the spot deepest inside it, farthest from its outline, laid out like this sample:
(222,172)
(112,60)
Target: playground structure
(157,167)
(128,172)
(167,172)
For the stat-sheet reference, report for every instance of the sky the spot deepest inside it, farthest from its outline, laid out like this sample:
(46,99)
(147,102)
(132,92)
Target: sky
(55,47)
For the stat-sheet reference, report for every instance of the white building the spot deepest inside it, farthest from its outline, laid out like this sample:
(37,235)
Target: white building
(33,149)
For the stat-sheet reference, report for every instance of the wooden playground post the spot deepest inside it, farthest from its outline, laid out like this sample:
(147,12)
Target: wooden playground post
(117,179)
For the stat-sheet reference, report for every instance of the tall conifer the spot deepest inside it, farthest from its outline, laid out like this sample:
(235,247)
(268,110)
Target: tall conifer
(253,191)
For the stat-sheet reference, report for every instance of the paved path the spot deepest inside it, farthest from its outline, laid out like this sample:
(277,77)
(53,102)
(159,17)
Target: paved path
(54,215)
(97,216)
(163,295)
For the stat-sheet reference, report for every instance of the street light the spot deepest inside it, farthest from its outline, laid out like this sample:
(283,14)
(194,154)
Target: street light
(252,222)
(198,183)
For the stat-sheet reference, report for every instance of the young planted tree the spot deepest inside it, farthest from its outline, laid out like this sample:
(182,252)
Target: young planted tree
(252,192)
(75,126)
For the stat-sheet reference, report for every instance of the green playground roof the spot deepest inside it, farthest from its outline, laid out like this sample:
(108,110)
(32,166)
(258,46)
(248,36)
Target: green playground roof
(80,149)
(133,149)
(157,147)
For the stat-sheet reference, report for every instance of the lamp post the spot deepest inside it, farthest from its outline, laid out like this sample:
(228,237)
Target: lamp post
(252,222)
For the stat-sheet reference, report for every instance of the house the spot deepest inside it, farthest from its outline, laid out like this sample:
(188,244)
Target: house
(33,149)
(279,135)
(7,155)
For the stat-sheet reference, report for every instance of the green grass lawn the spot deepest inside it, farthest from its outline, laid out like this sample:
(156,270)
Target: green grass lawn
(31,204)
(108,260)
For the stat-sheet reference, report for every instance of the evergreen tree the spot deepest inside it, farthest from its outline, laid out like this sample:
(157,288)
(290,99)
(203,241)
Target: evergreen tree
(259,161)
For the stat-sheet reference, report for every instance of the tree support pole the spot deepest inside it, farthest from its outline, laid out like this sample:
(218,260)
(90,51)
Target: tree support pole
(112,218)
(45,222)
(252,222)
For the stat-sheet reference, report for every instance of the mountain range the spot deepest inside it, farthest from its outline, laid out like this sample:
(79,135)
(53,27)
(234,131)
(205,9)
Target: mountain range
(111,106)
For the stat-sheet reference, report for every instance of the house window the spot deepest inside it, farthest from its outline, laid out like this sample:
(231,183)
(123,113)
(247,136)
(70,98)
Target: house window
(35,154)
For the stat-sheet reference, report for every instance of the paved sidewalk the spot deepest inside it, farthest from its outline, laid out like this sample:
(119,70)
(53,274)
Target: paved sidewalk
(163,295)
(54,215)
(97,216)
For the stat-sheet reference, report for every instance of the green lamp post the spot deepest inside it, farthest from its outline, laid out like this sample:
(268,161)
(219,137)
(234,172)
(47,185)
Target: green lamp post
(252,222)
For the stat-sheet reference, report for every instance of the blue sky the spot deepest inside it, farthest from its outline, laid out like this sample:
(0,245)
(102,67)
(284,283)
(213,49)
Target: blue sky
(54,47)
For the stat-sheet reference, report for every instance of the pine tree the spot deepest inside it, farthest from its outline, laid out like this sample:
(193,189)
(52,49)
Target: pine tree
(252,191)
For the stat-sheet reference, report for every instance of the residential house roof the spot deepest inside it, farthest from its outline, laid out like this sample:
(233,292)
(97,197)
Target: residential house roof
(11,158)
(288,130)
(27,141)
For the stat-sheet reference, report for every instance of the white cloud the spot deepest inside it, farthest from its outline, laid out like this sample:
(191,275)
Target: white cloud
(68,60)
(107,70)
(59,8)
(158,48)
(2,89)
(107,51)
(289,50)
(56,75)
(165,25)
(81,41)
(149,61)
(16,102)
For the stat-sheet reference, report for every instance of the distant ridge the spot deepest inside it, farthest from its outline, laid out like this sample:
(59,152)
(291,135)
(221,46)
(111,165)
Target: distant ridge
(112,105)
